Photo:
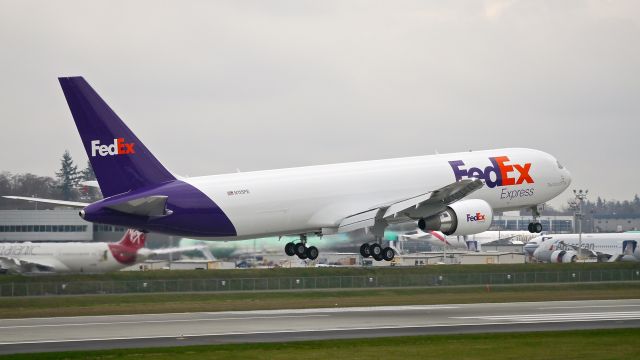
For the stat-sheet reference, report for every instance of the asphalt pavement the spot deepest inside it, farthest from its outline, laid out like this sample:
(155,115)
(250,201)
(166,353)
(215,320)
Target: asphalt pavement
(151,330)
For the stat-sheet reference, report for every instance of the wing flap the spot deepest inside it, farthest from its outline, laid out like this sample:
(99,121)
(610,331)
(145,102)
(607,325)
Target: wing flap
(358,221)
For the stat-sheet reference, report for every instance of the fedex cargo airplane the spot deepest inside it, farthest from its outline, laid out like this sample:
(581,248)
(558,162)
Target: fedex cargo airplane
(452,193)
(88,257)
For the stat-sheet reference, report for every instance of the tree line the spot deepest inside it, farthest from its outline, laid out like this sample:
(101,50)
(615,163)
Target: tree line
(66,185)
(613,208)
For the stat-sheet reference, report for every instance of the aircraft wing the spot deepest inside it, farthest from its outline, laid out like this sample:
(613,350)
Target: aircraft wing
(410,209)
(586,252)
(20,265)
(48,201)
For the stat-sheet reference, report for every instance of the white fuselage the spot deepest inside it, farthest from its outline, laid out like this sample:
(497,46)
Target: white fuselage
(310,199)
(59,257)
(614,245)
(475,240)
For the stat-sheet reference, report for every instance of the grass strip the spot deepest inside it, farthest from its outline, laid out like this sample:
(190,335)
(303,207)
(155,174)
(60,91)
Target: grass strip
(587,344)
(194,302)
(321,272)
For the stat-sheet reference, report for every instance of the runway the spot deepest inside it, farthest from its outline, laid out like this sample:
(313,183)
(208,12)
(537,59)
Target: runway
(150,330)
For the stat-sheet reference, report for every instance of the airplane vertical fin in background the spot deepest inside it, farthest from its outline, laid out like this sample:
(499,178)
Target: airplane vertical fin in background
(133,239)
(119,159)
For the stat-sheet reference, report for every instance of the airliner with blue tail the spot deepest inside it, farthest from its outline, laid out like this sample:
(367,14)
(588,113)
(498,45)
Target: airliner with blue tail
(455,193)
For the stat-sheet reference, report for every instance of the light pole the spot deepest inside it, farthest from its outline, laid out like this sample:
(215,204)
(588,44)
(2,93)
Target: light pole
(580,197)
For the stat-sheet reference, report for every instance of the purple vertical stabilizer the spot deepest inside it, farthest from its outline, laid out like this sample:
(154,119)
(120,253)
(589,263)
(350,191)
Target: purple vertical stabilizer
(120,161)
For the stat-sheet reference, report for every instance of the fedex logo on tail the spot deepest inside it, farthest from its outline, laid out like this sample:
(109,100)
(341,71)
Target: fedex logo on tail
(119,147)
(477,217)
(504,173)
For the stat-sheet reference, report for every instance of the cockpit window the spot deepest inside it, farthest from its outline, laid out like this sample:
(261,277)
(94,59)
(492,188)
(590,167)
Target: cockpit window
(559,165)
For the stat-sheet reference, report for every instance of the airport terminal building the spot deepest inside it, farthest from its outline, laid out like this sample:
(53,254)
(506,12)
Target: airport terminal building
(60,225)
(551,224)
(44,225)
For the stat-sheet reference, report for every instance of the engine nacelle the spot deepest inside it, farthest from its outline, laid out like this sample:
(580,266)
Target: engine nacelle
(465,217)
(563,256)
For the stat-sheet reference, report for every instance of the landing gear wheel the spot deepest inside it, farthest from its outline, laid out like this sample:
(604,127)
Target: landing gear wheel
(300,249)
(303,256)
(388,254)
(376,251)
(312,253)
(377,257)
(530,227)
(537,227)
(365,250)
(289,249)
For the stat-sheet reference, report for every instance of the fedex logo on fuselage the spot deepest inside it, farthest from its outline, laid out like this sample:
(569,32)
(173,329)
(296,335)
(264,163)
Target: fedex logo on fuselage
(504,174)
(477,217)
(119,147)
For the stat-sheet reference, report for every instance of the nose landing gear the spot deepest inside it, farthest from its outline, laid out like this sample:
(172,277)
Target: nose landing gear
(535,226)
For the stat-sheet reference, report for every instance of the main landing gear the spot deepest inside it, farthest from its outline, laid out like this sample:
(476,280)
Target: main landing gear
(301,250)
(535,226)
(377,252)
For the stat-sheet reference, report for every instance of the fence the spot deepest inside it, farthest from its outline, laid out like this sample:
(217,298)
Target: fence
(319,282)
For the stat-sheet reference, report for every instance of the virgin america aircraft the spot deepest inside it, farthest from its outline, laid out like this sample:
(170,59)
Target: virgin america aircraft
(85,257)
(452,193)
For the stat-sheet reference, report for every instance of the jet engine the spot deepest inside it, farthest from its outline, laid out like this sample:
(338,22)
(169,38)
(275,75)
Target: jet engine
(563,256)
(464,217)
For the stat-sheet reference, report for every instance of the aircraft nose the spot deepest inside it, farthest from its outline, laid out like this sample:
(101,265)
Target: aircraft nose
(567,177)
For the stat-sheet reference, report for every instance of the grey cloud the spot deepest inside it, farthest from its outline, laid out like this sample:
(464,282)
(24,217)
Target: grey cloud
(212,86)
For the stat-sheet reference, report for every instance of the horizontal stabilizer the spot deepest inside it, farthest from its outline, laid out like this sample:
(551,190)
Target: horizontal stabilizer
(145,206)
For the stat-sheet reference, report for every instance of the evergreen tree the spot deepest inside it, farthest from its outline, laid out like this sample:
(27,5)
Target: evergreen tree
(68,176)
(88,174)
(88,193)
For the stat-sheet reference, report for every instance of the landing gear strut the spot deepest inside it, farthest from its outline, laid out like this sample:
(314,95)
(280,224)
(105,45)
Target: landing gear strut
(301,250)
(535,226)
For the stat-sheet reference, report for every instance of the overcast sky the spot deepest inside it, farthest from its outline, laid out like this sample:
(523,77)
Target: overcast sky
(211,86)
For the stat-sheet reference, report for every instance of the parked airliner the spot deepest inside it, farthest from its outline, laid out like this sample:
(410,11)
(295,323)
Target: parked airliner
(564,248)
(472,242)
(80,257)
(453,193)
